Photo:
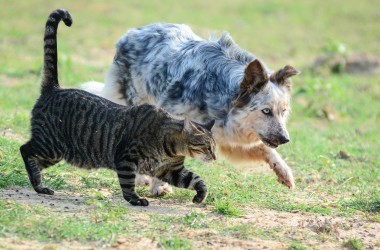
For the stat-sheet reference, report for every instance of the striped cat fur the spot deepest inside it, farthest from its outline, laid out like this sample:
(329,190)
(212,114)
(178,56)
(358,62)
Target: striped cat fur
(89,131)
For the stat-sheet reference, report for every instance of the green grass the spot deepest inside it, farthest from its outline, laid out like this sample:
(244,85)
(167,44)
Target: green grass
(175,243)
(354,244)
(97,225)
(330,113)
(226,208)
(296,246)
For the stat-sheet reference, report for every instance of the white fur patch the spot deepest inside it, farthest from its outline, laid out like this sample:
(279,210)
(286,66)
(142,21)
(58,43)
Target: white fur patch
(160,188)
(93,87)
(143,180)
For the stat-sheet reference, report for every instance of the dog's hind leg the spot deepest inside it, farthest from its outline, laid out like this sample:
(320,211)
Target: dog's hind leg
(159,188)
(261,153)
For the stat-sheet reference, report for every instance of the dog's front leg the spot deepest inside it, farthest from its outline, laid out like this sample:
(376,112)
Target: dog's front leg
(279,166)
(261,153)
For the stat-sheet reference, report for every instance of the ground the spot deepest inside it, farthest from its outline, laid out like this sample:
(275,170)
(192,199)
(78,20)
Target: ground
(305,227)
(333,128)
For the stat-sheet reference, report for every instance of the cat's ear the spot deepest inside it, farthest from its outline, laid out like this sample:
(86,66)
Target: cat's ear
(188,126)
(209,125)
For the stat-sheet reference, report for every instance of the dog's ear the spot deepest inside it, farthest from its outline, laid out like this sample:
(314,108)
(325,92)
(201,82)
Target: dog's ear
(281,76)
(255,77)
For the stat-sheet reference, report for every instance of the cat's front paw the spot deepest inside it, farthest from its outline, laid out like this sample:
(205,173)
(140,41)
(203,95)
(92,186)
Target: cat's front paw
(200,197)
(160,188)
(44,190)
(139,202)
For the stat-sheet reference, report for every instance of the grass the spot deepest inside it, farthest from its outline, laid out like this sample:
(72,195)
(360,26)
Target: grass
(296,246)
(226,208)
(331,114)
(47,226)
(175,243)
(354,244)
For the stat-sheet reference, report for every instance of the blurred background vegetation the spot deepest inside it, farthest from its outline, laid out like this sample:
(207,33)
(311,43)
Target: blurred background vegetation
(335,120)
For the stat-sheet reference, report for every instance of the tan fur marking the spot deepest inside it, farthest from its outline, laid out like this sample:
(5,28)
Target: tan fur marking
(265,154)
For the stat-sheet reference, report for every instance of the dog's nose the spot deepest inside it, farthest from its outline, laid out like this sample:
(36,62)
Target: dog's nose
(283,139)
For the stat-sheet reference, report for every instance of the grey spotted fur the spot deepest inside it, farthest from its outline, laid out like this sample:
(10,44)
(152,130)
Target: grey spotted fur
(169,66)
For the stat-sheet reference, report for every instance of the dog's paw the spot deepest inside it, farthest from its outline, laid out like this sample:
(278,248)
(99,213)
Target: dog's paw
(143,180)
(287,181)
(160,188)
(284,174)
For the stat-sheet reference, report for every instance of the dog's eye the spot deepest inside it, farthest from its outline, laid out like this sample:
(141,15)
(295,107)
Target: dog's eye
(266,111)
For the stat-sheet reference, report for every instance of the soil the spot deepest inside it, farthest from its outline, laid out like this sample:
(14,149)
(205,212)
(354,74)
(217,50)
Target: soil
(313,231)
(355,64)
(8,133)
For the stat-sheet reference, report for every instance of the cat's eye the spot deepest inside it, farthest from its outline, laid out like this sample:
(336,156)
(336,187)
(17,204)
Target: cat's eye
(266,111)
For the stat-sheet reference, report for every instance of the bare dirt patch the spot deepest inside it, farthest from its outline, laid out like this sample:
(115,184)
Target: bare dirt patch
(170,208)
(16,244)
(355,64)
(314,230)
(209,239)
(59,202)
(9,134)
(266,229)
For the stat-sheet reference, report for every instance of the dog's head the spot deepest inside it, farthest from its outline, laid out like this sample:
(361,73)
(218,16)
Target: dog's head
(262,104)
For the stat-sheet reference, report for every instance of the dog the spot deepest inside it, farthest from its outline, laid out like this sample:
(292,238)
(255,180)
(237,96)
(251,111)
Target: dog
(168,65)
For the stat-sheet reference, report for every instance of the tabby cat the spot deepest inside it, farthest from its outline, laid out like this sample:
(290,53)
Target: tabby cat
(91,132)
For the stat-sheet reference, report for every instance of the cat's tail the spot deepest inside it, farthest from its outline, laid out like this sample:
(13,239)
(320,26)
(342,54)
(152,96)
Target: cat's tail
(50,71)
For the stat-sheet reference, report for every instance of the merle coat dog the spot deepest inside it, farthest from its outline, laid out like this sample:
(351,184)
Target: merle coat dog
(169,66)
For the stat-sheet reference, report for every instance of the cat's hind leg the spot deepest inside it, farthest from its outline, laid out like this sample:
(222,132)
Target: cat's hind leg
(35,160)
(183,178)
(126,172)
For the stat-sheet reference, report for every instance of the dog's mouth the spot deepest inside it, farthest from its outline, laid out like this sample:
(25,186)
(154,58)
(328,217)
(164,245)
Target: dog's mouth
(269,143)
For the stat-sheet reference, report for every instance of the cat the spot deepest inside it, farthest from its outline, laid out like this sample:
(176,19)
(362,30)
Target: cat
(89,131)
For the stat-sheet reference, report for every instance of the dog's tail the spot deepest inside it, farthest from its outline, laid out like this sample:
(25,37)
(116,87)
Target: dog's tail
(93,87)
(50,71)
(110,90)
